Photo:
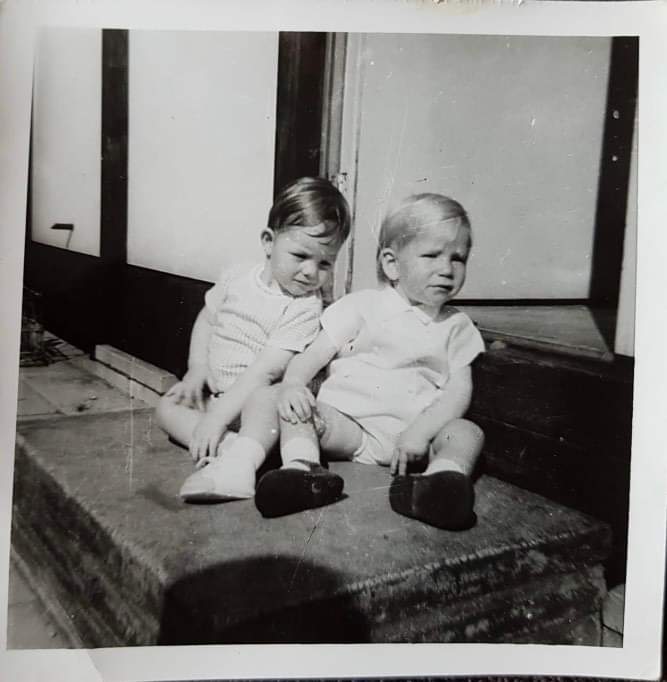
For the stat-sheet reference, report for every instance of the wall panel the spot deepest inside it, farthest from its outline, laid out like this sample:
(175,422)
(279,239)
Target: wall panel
(202,112)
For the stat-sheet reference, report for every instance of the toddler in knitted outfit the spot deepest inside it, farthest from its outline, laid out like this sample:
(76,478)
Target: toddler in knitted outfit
(255,319)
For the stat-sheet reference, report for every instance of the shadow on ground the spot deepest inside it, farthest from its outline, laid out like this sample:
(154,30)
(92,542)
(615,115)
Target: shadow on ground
(232,604)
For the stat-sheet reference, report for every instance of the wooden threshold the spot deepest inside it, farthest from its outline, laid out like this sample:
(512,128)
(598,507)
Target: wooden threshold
(567,329)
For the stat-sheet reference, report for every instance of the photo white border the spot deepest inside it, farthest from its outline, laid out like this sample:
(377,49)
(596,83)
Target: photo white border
(639,657)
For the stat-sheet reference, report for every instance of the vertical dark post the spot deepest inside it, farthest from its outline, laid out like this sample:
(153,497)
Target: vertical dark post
(114,146)
(28,203)
(301,66)
(113,215)
(613,183)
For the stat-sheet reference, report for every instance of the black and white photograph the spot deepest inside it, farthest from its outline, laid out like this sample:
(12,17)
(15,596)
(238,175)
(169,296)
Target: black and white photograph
(226,430)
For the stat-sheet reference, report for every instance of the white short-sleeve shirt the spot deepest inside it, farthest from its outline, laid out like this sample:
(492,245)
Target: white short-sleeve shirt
(247,315)
(393,360)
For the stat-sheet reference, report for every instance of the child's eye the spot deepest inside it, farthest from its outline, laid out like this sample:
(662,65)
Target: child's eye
(325,265)
(458,258)
(430,255)
(299,256)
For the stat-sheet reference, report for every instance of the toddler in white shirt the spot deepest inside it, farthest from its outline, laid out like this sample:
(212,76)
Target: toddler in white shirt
(255,319)
(399,381)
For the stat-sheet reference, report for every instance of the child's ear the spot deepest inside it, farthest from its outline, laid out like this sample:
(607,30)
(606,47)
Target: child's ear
(389,264)
(267,237)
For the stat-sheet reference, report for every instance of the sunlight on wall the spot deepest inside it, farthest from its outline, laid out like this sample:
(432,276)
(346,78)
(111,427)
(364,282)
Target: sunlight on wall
(509,126)
(201,148)
(66,123)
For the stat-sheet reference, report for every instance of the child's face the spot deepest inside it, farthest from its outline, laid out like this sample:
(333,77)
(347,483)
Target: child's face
(300,260)
(430,268)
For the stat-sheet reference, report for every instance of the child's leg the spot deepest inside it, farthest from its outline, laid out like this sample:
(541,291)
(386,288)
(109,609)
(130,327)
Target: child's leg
(457,448)
(177,420)
(443,495)
(231,475)
(335,433)
(302,483)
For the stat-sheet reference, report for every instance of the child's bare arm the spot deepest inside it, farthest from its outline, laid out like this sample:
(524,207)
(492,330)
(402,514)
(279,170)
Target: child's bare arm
(414,442)
(190,390)
(295,401)
(267,368)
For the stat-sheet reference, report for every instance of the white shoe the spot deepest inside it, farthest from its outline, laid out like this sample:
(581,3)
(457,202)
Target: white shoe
(221,479)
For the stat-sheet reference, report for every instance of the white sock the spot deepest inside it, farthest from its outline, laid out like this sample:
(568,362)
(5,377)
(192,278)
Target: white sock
(243,447)
(299,448)
(232,473)
(442,464)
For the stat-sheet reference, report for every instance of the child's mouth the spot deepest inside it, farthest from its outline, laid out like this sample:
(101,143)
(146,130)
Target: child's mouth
(303,285)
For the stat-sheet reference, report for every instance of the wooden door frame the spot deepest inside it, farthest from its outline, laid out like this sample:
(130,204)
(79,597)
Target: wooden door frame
(341,128)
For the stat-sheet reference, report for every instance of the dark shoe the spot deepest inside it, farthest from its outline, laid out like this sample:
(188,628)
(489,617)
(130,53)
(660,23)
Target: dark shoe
(444,499)
(287,491)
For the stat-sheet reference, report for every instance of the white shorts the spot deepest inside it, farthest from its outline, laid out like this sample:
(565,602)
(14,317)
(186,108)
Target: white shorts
(374,450)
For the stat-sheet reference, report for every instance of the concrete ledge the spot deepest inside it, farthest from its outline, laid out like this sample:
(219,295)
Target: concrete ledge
(129,387)
(97,518)
(150,376)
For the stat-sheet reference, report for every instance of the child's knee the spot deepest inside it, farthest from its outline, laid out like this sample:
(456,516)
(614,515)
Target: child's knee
(473,431)
(169,413)
(163,410)
(463,432)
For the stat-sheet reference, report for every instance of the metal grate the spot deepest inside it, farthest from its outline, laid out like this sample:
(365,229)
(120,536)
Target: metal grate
(37,349)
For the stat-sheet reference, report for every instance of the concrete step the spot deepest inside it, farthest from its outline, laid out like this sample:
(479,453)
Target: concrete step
(98,524)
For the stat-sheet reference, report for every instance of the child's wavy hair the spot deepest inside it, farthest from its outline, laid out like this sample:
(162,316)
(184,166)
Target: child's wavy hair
(310,201)
(414,213)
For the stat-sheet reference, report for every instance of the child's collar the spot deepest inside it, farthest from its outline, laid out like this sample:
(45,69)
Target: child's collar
(394,303)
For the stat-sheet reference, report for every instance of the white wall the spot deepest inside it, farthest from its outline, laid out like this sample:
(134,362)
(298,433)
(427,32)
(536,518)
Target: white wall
(66,138)
(510,127)
(201,148)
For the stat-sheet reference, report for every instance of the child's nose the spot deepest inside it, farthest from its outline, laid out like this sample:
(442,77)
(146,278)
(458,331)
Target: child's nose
(309,269)
(446,267)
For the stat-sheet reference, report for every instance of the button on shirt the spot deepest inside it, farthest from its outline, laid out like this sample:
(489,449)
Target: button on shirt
(393,359)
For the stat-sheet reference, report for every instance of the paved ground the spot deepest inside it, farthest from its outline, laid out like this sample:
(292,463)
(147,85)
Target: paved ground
(29,626)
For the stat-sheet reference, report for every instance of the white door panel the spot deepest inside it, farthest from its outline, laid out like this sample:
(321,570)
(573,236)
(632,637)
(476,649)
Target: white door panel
(509,126)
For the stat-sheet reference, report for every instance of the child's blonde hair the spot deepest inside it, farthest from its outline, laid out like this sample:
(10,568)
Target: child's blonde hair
(414,213)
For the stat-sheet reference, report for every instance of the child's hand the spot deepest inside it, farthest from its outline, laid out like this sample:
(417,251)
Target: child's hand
(295,403)
(190,390)
(207,436)
(410,447)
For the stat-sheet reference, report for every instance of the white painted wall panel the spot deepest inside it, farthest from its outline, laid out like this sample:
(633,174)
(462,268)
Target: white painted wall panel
(66,138)
(201,148)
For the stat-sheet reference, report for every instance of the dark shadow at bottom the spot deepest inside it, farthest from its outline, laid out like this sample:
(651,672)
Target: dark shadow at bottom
(262,600)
